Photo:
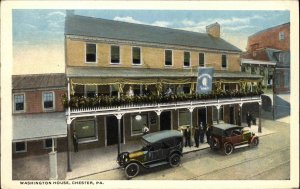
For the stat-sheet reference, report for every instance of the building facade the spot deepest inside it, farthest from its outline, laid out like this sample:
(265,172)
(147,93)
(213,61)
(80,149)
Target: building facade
(122,76)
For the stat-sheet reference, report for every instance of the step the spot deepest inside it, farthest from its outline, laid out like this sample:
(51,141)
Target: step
(158,164)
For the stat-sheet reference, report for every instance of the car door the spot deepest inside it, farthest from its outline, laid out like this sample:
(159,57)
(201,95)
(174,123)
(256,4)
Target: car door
(155,152)
(236,137)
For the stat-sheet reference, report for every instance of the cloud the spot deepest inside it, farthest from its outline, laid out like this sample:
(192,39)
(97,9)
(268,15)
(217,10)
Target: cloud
(161,23)
(237,28)
(132,20)
(56,14)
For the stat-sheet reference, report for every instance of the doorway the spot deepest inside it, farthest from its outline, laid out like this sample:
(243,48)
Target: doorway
(112,130)
(231,115)
(165,120)
(202,116)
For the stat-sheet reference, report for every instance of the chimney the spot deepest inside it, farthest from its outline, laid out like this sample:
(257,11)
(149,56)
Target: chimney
(213,30)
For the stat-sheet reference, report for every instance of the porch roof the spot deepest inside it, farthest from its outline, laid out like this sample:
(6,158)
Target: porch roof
(92,72)
(28,127)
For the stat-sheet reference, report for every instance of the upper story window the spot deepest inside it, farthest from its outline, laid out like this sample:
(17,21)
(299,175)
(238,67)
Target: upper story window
(186,62)
(48,100)
(90,53)
(224,61)
(115,54)
(201,59)
(19,102)
(168,58)
(90,90)
(48,143)
(136,55)
(281,36)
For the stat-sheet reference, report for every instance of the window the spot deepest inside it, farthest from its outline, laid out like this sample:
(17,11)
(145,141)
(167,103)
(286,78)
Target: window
(224,61)
(48,143)
(243,69)
(79,90)
(115,54)
(90,90)
(138,125)
(90,55)
(48,100)
(136,55)
(281,36)
(20,147)
(253,70)
(168,58)
(201,59)
(186,62)
(19,104)
(270,79)
(184,117)
(286,79)
(114,90)
(86,130)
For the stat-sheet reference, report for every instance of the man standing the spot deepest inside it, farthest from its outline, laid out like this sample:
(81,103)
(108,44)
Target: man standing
(187,136)
(75,141)
(208,133)
(201,131)
(196,136)
(249,119)
(145,129)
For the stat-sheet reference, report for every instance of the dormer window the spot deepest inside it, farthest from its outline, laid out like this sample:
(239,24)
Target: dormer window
(90,53)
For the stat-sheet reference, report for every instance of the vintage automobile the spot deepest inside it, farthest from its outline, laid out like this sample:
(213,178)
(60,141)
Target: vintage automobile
(160,148)
(226,137)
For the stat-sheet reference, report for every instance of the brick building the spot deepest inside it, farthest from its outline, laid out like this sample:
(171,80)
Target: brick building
(123,75)
(38,114)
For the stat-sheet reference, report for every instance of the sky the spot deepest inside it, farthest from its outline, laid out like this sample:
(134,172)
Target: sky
(38,35)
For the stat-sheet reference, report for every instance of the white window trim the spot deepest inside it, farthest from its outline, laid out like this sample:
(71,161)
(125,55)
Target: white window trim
(22,151)
(165,57)
(148,123)
(14,104)
(224,68)
(44,143)
(88,140)
(48,109)
(190,59)
(141,57)
(96,53)
(120,57)
(204,58)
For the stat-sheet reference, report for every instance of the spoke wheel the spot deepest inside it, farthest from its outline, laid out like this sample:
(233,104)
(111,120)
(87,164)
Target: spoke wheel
(228,148)
(254,142)
(132,170)
(174,160)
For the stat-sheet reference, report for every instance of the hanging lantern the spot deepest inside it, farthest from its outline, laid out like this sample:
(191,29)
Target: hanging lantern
(138,117)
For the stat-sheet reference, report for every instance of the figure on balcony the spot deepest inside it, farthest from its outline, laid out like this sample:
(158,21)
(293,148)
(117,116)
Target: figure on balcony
(146,91)
(130,92)
(180,89)
(169,92)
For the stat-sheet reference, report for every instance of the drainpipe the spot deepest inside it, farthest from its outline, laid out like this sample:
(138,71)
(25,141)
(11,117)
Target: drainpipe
(241,113)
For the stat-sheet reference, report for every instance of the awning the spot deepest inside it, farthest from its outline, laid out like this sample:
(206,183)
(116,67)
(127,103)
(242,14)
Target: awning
(28,127)
(257,62)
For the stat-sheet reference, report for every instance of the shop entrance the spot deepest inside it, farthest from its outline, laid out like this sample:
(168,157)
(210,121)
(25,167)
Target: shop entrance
(165,120)
(231,115)
(202,116)
(112,130)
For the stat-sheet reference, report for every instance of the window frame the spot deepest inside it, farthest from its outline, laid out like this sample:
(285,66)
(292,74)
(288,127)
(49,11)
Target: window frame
(53,101)
(14,104)
(281,35)
(90,139)
(132,116)
(96,56)
(226,61)
(203,59)
(189,59)
(21,151)
(135,64)
(172,57)
(110,55)
(44,143)
(85,90)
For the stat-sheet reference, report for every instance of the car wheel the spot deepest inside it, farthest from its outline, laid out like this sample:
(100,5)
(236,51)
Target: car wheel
(174,160)
(228,148)
(214,143)
(131,170)
(254,142)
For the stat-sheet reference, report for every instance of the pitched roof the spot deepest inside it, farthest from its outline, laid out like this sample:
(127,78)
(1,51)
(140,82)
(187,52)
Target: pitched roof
(38,81)
(102,28)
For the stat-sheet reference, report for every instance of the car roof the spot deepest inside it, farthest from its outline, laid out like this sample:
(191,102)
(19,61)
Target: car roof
(226,126)
(160,135)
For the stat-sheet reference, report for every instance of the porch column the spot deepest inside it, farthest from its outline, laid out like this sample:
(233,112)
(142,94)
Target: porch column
(191,122)
(218,116)
(69,121)
(158,112)
(241,113)
(259,114)
(119,117)
(53,163)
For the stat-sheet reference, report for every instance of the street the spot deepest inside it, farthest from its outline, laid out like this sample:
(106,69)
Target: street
(269,161)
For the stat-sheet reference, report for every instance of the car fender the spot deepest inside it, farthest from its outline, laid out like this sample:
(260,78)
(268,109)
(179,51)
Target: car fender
(177,152)
(253,138)
(217,141)
(134,161)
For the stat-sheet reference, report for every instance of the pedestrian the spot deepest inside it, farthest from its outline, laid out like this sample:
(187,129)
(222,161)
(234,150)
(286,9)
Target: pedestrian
(75,141)
(130,92)
(201,132)
(187,136)
(145,129)
(196,137)
(249,119)
(208,133)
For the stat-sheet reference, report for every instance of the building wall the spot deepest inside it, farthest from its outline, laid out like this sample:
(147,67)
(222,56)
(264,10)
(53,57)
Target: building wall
(151,57)
(270,38)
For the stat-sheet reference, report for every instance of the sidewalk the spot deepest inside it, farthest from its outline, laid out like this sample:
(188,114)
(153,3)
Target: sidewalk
(92,161)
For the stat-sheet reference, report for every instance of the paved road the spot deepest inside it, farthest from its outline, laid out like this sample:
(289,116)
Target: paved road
(270,160)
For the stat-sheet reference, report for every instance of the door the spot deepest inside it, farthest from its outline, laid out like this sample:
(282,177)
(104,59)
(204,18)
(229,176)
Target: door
(231,115)
(202,116)
(165,120)
(112,130)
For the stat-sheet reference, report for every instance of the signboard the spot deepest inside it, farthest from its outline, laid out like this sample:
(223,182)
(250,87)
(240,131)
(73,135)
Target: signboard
(204,80)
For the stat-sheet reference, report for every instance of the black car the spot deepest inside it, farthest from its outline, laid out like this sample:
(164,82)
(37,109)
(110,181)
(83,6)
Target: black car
(160,148)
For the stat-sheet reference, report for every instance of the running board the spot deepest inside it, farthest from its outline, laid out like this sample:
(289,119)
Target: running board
(157,164)
(241,146)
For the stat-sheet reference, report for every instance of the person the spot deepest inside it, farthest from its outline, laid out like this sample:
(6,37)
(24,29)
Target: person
(168,92)
(201,132)
(208,133)
(130,92)
(146,91)
(249,119)
(75,141)
(196,137)
(187,136)
(145,129)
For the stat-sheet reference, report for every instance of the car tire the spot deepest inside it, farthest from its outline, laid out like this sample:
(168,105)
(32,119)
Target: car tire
(228,148)
(174,160)
(214,143)
(131,170)
(254,142)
